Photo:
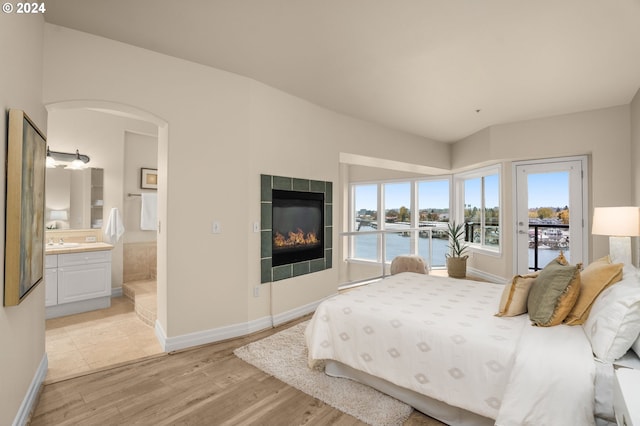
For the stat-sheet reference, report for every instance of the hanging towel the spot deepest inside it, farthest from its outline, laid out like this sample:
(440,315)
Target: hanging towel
(149,212)
(115,228)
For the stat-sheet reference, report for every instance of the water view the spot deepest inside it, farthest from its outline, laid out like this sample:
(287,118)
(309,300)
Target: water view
(398,244)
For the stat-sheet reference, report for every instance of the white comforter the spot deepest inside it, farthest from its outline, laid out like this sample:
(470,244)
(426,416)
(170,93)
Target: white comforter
(439,337)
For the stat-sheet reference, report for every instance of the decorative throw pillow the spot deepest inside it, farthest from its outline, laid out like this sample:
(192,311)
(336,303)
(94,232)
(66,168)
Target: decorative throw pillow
(599,275)
(554,293)
(613,324)
(515,294)
(636,346)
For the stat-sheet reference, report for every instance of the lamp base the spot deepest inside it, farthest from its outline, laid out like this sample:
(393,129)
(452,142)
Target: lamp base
(620,250)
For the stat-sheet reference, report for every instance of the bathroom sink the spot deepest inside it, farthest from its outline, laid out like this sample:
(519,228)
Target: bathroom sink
(62,245)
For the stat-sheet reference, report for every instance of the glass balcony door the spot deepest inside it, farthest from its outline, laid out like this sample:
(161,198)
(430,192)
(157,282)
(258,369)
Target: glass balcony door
(549,212)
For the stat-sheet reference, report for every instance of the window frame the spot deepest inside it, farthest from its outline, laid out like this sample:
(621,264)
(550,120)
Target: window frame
(459,183)
(414,210)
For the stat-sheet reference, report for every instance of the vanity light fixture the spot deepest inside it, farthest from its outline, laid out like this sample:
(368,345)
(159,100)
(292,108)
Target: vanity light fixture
(75,161)
(51,162)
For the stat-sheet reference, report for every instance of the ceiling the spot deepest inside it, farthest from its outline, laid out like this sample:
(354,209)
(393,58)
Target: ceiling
(442,69)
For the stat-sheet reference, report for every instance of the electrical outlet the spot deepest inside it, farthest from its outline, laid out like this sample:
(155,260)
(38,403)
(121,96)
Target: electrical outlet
(90,239)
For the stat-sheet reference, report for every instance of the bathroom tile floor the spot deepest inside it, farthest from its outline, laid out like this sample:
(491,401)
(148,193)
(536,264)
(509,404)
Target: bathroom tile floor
(76,344)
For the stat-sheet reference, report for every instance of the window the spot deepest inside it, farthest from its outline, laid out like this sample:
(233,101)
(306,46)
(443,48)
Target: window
(479,195)
(365,218)
(433,209)
(397,215)
(403,205)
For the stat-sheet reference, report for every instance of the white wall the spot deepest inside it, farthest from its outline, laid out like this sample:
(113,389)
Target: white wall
(635,147)
(22,326)
(224,131)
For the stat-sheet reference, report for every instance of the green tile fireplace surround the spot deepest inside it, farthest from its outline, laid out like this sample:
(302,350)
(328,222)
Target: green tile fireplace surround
(269,273)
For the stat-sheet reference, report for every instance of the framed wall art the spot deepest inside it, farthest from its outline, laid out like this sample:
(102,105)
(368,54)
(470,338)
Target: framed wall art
(24,238)
(148,178)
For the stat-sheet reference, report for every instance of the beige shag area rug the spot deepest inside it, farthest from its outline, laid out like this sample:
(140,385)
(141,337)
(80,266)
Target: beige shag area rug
(284,356)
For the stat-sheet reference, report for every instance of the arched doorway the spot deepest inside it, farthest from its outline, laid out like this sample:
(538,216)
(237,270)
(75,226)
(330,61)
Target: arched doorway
(117,196)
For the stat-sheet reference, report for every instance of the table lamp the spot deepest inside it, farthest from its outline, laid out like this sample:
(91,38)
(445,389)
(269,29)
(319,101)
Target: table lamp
(620,224)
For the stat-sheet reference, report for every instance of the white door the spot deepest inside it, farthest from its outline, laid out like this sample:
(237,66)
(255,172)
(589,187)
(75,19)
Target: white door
(550,212)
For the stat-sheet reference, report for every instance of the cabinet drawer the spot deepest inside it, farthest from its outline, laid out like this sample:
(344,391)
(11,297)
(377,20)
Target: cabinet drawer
(84,258)
(51,261)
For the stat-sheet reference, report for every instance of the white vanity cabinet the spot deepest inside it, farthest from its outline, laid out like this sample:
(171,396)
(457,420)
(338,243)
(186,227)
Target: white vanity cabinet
(84,276)
(51,280)
(82,282)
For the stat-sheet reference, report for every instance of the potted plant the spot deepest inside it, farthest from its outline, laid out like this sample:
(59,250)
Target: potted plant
(456,259)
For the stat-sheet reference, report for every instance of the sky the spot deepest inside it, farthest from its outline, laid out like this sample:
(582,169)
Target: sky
(545,190)
(549,189)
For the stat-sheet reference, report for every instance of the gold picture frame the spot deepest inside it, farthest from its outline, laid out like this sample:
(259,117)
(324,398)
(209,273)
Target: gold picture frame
(24,221)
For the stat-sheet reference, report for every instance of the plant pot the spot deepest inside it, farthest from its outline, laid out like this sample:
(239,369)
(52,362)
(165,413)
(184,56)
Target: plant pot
(457,266)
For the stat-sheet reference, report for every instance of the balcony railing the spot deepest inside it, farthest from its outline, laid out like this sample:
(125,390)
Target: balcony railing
(545,237)
(491,236)
(541,237)
(381,248)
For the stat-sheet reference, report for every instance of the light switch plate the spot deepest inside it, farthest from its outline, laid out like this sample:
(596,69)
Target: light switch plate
(256,226)
(216,227)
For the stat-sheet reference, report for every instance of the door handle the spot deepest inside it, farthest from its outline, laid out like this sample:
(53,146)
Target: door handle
(522,232)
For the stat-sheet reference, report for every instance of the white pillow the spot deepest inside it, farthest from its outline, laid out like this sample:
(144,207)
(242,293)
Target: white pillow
(636,346)
(613,324)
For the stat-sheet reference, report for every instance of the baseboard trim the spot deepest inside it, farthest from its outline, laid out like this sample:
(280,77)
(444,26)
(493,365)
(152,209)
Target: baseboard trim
(30,399)
(486,276)
(116,292)
(78,307)
(298,312)
(170,344)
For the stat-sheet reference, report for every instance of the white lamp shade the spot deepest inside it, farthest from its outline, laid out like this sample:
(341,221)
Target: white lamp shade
(616,221)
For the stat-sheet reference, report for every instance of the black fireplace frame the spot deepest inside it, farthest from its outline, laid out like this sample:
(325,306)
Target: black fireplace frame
(297,199)
(270,272)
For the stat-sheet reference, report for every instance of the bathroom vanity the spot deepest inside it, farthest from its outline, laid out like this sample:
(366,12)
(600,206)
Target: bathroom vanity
(77,278)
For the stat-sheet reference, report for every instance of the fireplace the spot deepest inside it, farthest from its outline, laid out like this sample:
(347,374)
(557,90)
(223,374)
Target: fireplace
(297,226)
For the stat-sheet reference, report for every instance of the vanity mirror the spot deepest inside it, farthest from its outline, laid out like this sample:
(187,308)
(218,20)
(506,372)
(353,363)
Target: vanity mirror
(74,198)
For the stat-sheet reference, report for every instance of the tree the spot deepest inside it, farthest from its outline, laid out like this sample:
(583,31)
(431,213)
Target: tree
(545,212)
(564,216)
(433,216)
(403,214)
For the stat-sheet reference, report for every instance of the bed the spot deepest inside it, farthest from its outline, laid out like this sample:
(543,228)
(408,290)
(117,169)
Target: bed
(435,343)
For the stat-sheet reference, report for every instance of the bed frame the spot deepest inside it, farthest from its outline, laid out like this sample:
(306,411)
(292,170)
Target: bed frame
(429,406)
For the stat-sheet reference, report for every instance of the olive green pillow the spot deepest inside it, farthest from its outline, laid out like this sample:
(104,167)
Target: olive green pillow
(553,294)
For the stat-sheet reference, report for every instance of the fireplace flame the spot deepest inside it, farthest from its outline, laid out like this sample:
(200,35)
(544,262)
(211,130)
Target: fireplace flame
(295,239)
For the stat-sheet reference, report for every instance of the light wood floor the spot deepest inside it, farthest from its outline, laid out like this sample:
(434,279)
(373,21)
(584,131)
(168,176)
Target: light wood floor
(207,385)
